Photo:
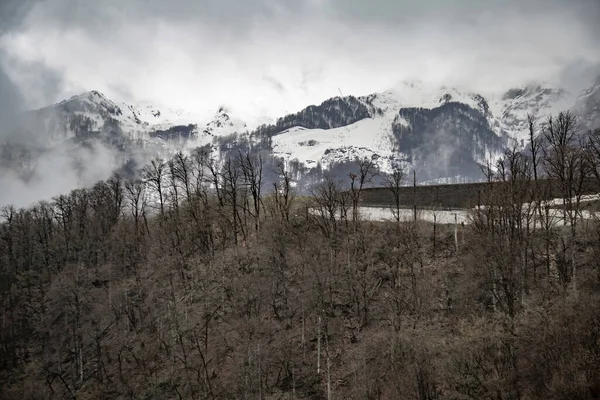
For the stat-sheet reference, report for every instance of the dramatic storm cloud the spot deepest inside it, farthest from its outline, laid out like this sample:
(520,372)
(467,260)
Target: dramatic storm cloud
(268,57)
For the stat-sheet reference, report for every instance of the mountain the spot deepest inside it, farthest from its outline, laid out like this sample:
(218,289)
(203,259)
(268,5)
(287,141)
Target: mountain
(87,137)
(444,133)
(133,134)
(511,109)
(587,106)
(92,115)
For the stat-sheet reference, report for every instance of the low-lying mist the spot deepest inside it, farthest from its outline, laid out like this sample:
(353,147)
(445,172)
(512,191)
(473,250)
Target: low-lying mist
(53,171)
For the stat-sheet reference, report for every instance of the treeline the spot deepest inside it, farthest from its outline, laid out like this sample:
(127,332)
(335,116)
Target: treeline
(199,281)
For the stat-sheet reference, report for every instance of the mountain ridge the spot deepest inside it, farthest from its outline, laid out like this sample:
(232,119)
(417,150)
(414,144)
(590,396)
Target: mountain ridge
(445,133)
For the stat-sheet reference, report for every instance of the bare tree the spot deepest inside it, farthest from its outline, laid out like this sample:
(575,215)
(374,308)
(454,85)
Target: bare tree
(534,144)
(154,175)
(135,193)
(252,170)
(233,196)
(564,162)
(366,171)
(283,192)
(43,217)
(393,183)
(593,155)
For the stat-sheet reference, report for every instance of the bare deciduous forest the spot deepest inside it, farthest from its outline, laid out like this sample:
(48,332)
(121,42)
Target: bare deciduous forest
(201,282)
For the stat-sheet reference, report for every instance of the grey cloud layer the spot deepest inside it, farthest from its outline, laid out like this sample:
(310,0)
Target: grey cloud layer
(240,12)
(12,13)
(266,52)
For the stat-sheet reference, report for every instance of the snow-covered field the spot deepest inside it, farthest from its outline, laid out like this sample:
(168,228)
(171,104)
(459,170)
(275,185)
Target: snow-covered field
(556,216)
(407,214)
(382,214)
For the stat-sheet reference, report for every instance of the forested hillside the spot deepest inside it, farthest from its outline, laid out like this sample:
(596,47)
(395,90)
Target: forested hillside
(446,140)
(198,282)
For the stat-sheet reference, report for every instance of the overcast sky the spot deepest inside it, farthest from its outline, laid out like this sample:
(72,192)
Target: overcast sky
(269,57)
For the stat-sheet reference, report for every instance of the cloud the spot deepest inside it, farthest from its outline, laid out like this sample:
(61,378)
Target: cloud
(53,170)
(12,13)
(578,73)
(10,98)
(259,56)
(56,171)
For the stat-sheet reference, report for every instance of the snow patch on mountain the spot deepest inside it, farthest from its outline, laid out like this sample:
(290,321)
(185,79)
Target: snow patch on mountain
(368,138)
(373,137)
(511,109)
(424,95)
(223,125)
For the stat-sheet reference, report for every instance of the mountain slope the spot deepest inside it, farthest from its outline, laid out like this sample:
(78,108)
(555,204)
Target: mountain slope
(138,132)
(511,109)
(588,106)
(444,133)
(451,140)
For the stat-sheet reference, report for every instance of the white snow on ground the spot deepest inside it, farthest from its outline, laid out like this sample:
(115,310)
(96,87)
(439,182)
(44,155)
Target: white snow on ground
(364,138)
(556,216)
(407,214)
(585,198)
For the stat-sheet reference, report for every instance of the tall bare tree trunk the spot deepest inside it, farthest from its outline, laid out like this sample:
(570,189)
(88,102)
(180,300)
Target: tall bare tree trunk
(319,346)
(328,370)
(456,231)
(415,196)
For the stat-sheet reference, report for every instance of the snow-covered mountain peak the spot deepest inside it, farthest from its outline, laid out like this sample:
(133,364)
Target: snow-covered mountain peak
(223,125)
(92,97)
(424,95)
(91,102)
(94,112)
